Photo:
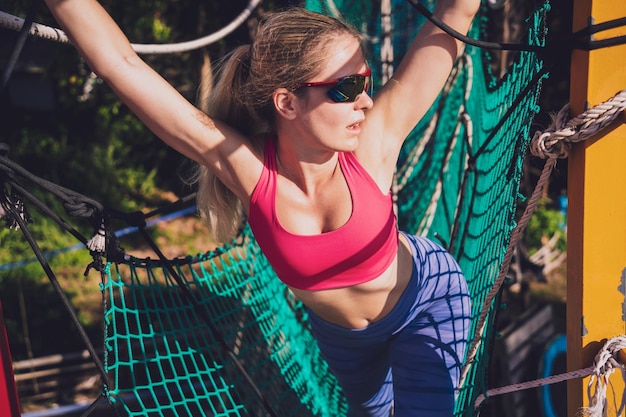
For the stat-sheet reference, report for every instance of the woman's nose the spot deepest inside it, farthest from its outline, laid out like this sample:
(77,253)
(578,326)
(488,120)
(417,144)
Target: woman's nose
(363,101)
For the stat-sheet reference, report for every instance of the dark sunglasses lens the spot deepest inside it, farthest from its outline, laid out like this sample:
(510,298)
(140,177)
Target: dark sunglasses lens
(347,89)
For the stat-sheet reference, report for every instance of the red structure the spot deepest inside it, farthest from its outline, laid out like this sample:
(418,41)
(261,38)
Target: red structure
(9,404)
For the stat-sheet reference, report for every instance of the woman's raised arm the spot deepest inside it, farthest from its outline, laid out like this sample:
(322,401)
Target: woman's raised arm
(427,64)
(417,81)
(165,111)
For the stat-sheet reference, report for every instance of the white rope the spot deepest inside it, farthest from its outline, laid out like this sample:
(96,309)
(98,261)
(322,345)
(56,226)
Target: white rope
(42,31)
(404,171)
(533,384)
(556,140)
(36,29)
(386,49)
(605,363)
(98,242)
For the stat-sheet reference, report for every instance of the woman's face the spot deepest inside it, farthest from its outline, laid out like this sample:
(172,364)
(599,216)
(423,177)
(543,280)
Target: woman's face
(322,122)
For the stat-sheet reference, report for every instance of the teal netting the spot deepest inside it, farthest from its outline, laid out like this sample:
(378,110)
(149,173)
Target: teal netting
(164,360)
(457,182)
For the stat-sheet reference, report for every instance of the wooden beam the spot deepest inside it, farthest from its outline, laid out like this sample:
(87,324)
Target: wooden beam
(597,204)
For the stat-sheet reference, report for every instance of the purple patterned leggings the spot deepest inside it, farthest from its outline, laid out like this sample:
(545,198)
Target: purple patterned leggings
(411,359)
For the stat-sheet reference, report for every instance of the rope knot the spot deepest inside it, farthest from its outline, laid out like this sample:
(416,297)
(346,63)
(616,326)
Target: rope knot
(80,207)
(11,208)
(556,140)
(550,143)
(98,242)
(605,363)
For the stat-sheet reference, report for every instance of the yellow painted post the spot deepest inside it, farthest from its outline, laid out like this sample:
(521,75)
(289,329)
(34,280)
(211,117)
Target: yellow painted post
(597,206)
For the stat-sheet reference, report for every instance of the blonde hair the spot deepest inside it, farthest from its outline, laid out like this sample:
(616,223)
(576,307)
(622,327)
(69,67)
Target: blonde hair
(287,50)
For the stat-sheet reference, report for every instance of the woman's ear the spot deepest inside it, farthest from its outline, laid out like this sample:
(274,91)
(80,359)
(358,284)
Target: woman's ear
(284,102)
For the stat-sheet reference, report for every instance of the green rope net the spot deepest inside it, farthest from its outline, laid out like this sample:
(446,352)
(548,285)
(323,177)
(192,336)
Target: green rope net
(457,183)
(164,360)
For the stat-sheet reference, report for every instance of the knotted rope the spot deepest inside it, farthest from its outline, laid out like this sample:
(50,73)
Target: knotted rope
(605,363)
(551,144)
(556,140)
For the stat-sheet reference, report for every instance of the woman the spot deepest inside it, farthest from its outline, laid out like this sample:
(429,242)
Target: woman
(292,139)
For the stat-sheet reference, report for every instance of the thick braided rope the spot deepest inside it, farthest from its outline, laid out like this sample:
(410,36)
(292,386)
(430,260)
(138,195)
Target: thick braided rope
(551,144)
(557,139)
(605,364)
(405,171)
(11,22)
(42,31)
(515,236)
(581,373)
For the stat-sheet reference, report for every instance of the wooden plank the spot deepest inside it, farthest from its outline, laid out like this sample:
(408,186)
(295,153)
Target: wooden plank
(51,360)
(52,377)
(517,352)
(597,203)
(61,371)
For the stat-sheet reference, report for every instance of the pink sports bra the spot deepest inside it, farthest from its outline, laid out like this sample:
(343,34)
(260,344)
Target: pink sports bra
(357,252)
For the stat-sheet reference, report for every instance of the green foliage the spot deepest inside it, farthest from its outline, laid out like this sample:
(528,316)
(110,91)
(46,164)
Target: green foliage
(30,305)
(33,309)
(544,223)
(160,30)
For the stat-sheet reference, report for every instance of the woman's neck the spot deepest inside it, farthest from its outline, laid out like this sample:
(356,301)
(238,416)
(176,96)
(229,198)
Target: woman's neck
(306,168)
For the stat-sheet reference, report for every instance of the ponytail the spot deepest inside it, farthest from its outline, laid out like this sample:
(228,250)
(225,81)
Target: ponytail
(220,209)
(228,101)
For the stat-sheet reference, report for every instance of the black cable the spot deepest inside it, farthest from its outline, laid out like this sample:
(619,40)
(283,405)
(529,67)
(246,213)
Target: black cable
(471,41)
(17,49)
(183,201)
(138,218)
(47,211)
(75,203)
(558,47)
(78,205)
(599,27)
(57,287)
(94,406)
(591,45)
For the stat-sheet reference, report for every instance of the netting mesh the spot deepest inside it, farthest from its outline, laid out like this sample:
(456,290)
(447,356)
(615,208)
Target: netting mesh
(457,183)
(164,359)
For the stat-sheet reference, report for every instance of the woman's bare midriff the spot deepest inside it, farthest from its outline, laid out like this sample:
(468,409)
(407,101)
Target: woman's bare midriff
(360,305)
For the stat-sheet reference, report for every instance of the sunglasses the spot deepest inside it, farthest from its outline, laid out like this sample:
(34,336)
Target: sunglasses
(345,89)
